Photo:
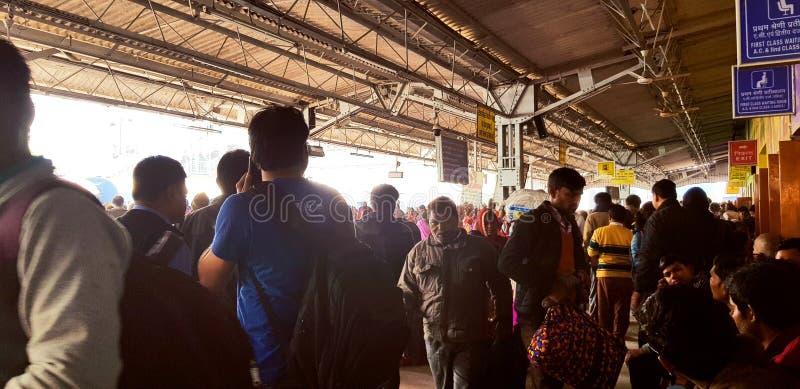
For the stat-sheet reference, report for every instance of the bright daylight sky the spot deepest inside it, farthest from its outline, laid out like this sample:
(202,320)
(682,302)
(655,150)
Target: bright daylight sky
(86,139)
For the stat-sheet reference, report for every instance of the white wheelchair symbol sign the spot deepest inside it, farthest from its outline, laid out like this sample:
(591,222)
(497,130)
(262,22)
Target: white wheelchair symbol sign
(762,79)
(783,9)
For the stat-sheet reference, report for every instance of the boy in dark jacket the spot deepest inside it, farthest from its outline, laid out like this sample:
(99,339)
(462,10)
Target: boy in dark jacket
(545,250)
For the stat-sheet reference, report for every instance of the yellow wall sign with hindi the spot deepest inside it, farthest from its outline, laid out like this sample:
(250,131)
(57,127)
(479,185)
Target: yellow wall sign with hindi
(624,177)
(738,174)
(485,125)
(606,169)
(733,188)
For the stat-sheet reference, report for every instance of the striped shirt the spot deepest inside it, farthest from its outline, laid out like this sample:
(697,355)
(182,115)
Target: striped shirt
(613,244)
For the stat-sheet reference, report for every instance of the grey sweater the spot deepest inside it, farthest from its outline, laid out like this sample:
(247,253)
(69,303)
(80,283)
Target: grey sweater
(71,267)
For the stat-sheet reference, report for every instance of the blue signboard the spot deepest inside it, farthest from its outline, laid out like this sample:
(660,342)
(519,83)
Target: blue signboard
(763,91)
(768,31)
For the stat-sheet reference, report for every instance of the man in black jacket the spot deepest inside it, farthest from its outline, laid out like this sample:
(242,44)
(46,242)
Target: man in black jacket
(546,246)
(665,233)
(391,239)
(159,189)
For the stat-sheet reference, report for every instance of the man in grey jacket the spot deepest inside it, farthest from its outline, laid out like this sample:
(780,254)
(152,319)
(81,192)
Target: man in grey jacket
(449,277)
(63,277)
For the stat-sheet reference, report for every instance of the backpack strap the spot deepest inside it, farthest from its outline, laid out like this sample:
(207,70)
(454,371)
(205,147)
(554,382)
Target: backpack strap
(13,211)
(297,225)
(294,220)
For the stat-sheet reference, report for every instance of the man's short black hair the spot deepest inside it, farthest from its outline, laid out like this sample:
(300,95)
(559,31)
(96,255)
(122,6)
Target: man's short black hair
(789,244)
(690,330)
(15,92)
(633,201)
(770,289)
(230,169)
(118,201)
(565,177)
(384,197)
(696,199)
(443,208)
(603,198)
(16,75)
(726,264)
(153,176)
(385,192)
(618,213)
(278,138)
(665,189)
(671,259)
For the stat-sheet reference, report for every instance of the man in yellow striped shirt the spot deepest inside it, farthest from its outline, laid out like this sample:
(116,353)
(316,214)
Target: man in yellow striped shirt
(610,250)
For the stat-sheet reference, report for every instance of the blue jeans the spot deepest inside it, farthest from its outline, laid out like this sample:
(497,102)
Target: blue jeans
(456,365)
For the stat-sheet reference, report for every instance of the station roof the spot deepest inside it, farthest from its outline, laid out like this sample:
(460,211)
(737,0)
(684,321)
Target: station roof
(645,83)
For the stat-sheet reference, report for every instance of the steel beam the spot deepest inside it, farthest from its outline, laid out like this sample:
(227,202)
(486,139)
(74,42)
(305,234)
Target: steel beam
(510,71)
(295,27)
(593,90)
(121,57)
(158,84)
(113,34)
(559,72)
(156,7)
(141,107)
(673,151)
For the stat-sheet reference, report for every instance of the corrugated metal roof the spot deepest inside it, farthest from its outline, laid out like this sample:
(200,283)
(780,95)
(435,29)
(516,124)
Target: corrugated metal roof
(557,35)
(291,51)
(546,32)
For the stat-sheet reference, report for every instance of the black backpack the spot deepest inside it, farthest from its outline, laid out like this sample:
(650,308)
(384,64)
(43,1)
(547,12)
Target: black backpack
(351,330)
(175,333)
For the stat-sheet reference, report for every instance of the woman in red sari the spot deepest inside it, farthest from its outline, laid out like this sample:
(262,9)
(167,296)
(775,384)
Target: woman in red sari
(490,226)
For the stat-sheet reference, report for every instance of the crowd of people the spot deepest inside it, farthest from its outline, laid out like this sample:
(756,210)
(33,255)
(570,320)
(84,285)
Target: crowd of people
(714,302)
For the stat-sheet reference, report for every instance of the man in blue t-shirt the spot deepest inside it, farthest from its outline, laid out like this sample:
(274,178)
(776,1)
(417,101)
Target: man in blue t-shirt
(273,257)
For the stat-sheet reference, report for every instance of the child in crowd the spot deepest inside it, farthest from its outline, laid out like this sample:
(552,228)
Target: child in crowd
(680,271)
(643,364)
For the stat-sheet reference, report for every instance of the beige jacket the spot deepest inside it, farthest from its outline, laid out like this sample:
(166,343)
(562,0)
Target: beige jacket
(71,264)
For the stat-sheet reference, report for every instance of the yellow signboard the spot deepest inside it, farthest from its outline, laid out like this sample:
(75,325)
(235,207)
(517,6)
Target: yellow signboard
(562,153)
(606,169)
(738,174)
(485,124)
(733,188)
(624,177)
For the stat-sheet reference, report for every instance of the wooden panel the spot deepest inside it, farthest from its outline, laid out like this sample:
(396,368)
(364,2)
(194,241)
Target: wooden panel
(762,200)
(774,193)
(789,159)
